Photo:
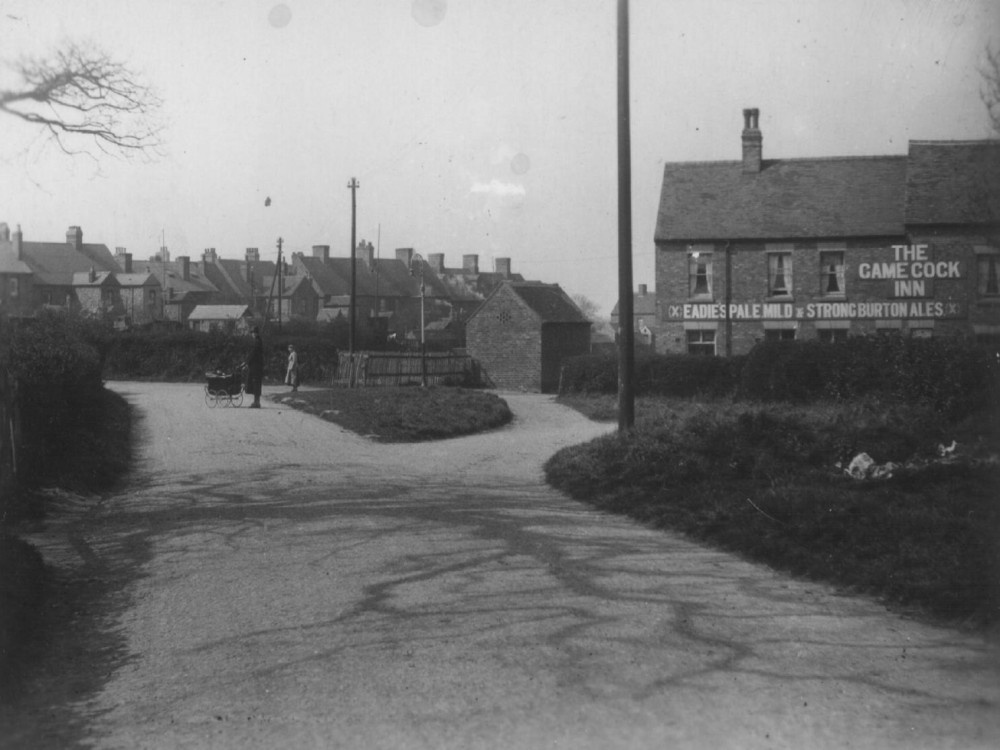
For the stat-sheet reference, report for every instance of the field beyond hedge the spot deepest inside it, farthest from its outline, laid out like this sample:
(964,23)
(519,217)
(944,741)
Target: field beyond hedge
(769,483)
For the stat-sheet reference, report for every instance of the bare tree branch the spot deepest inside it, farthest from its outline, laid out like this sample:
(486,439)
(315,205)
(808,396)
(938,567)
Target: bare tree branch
(990,88)
(79,93)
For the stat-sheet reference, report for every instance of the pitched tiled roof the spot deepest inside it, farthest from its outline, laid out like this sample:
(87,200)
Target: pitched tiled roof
(8,260)
(953,182)
(549,302)
(56,262)
(136,279)
(788,198)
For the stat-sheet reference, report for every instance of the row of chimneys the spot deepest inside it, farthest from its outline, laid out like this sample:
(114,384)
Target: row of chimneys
(365,257)
(74,238)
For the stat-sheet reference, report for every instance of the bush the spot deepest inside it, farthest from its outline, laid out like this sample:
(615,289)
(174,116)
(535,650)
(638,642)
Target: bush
(55,363)
(680,375)
(951,376)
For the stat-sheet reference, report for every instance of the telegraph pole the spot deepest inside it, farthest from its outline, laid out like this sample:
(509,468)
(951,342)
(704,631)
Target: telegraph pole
(353,186)
(626,334)
(280,287)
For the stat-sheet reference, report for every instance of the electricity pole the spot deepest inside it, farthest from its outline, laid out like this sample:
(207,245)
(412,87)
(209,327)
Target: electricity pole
(626,334)
(353,185)
(278,269)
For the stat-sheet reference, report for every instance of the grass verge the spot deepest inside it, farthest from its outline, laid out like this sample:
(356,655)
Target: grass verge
(404,415)
(764,482)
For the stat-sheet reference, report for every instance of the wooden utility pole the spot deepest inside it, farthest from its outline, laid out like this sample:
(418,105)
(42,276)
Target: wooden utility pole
(280,287)
(353,185)
(626,334)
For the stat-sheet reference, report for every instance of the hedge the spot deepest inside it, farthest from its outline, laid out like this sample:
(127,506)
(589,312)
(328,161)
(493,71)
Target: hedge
(954,376)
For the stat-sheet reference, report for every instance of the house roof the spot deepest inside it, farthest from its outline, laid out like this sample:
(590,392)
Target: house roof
(788,198)
(642,304)
(54,263)
(548,301)
(171,276)
(219,312)
(8,261)
(137,279)
(234,273)
(953,182)
(99,278)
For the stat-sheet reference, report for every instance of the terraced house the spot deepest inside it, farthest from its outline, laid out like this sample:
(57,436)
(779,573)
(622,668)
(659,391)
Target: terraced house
(823,248)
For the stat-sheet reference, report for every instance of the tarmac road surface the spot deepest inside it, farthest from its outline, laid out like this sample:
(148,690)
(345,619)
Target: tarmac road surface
(269,580)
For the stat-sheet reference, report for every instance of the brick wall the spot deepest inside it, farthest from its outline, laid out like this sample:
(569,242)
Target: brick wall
(505,337)
(948,305)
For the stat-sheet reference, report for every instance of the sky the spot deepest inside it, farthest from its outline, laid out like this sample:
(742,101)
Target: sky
(484,127)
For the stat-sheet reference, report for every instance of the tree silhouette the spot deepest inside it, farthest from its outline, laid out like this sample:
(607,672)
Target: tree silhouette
(990,89)
(80,93)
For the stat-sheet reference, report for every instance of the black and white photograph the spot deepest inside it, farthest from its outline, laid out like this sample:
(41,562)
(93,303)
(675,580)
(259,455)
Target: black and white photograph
(500,374)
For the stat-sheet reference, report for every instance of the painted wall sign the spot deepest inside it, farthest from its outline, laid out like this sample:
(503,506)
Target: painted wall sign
(817,311)
(910,270)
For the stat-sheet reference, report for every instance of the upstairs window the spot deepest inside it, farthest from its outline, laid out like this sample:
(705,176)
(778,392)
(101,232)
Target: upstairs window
(779,274)
(700,274)
(988,274)
(14,289)
(831,274)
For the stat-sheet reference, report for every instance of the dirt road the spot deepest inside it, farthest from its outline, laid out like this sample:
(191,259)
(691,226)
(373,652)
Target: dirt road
(270,580)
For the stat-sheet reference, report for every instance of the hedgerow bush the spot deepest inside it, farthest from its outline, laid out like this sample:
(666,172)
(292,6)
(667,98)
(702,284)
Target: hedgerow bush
(951,376)
(655,375)
(185,356)
(55,362)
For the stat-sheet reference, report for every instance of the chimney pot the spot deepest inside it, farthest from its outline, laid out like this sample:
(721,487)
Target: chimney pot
(404,254)
(74,238)
(253,254)
(753,140)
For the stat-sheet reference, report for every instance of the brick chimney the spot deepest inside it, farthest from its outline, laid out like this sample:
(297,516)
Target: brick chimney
(642,290)
(74,238)
(4,232)
(124,259)
(470,263)
(753,148)
(253,254)
(185,264)
(436,262)
(404,254)
(18,242)
(503,267)
(365,254)
(322,252)
(210,256)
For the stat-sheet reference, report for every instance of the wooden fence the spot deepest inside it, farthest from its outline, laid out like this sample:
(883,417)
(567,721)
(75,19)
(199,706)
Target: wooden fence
(404,368)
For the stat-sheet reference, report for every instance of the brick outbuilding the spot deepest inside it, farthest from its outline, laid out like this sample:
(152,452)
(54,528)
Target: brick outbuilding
(523,331)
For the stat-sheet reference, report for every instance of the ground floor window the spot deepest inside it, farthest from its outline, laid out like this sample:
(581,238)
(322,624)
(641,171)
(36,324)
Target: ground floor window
(701,342)
(779,334)
(831,335)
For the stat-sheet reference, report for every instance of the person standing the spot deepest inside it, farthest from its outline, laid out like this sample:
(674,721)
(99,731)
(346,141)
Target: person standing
(255,369)
(292,373)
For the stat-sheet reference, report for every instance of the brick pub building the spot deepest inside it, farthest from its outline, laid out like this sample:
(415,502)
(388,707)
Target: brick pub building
(829,247)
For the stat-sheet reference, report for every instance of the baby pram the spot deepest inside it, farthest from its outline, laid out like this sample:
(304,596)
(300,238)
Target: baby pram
(225,388)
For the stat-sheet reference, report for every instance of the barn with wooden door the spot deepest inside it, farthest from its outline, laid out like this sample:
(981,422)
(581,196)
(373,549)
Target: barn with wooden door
(523,331)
